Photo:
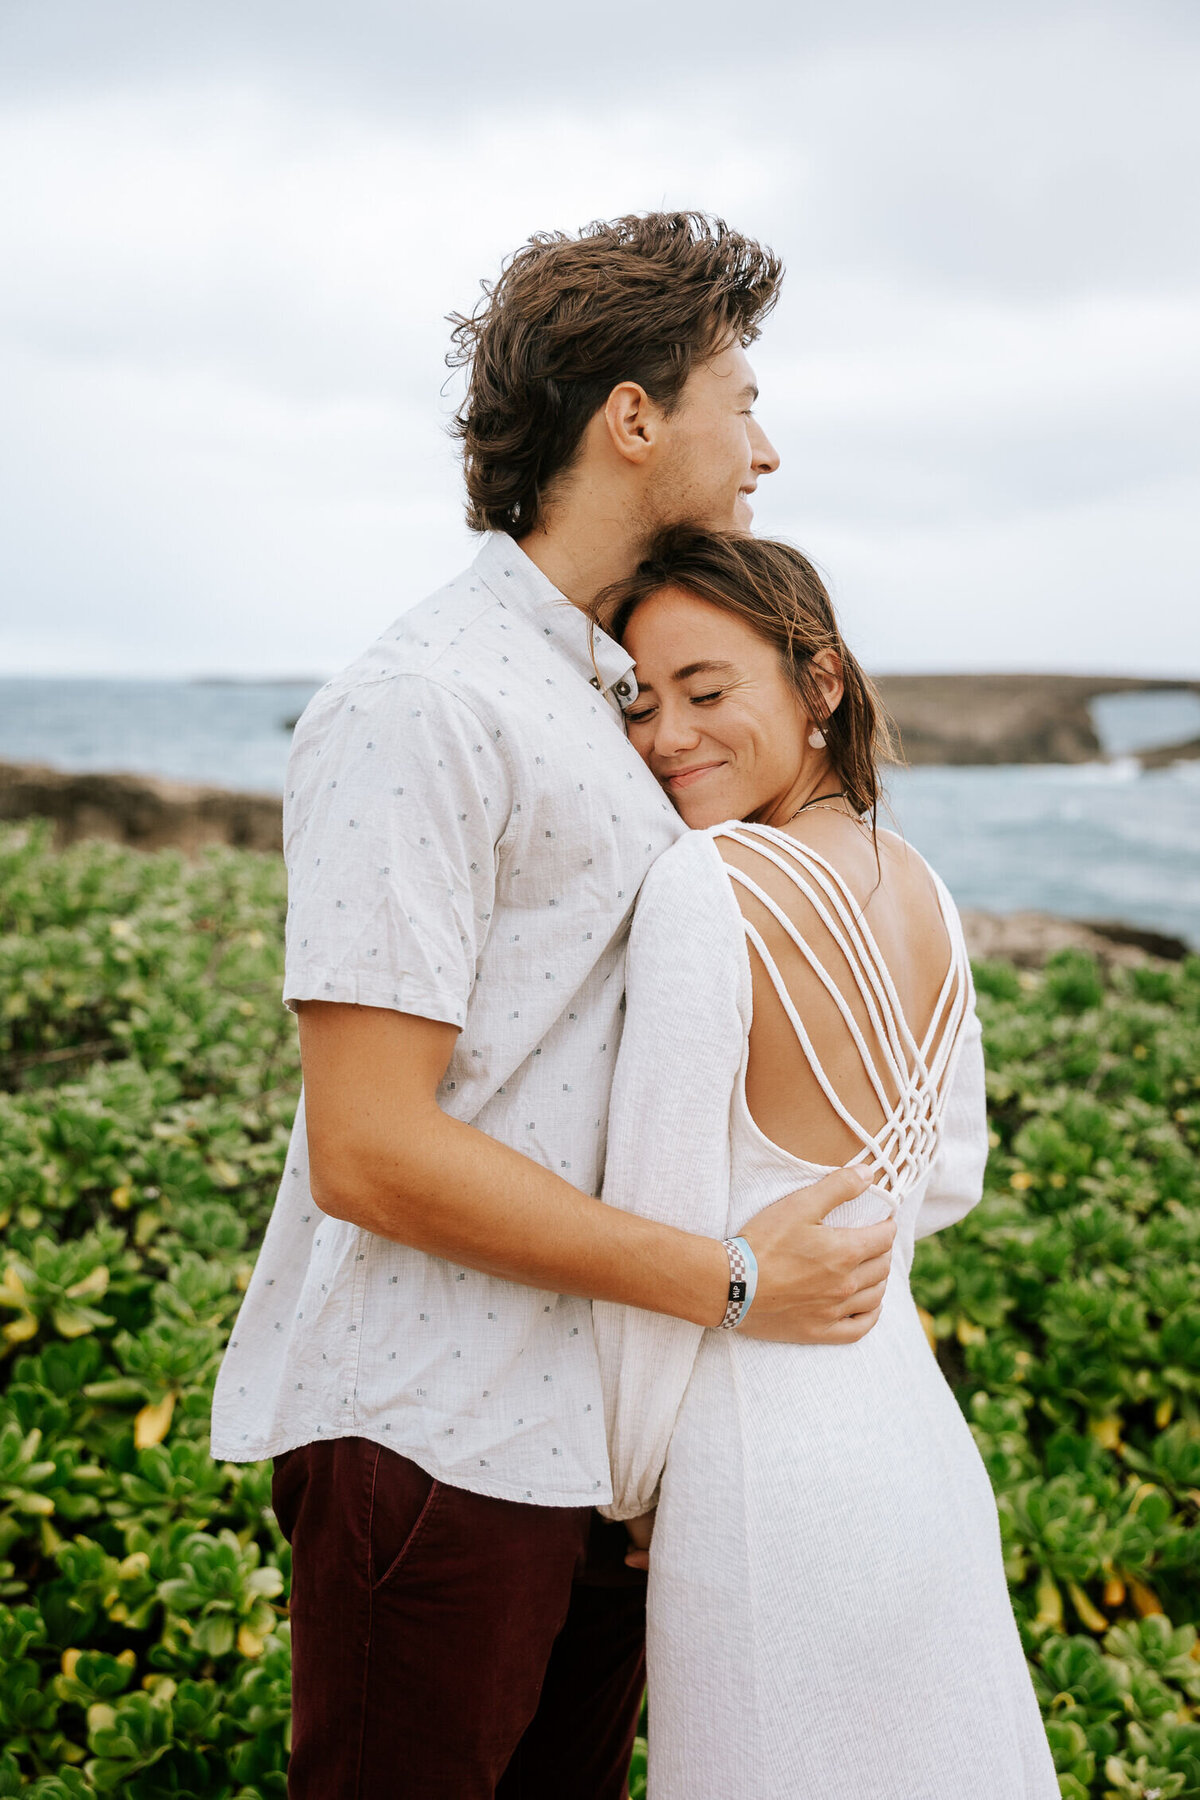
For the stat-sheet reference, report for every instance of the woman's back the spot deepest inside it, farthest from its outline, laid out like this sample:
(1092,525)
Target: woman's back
(860,989)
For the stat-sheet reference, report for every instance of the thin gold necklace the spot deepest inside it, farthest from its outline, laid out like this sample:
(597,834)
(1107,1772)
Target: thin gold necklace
(815,801)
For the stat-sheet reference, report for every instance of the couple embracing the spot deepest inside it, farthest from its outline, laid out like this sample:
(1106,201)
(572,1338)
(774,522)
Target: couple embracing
(635,1059)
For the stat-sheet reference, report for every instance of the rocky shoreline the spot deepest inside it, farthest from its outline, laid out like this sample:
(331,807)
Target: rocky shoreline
(990,719)
(1028,938)
(145,813)
(141,811)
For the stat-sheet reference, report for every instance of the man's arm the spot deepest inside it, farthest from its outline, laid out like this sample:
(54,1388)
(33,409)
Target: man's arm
(386,1157)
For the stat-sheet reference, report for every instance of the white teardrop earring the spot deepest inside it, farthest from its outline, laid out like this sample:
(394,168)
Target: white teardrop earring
(816,738)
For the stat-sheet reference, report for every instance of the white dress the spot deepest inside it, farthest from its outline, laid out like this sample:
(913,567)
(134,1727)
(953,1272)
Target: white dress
(828,1614)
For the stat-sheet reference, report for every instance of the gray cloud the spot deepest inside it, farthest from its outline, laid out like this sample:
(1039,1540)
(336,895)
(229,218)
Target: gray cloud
(450,60)
(236,230)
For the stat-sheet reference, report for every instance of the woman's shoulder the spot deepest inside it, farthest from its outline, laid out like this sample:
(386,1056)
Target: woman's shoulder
(926,895)
(920,871)
(686,886)
(685,944)
(691,857)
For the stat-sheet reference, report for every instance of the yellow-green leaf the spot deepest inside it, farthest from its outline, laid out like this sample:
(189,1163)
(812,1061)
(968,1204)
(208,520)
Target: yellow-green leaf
(1091,1616)
(91,1287)
(12,1288)
(153,1422)
(1106,1431)
(1144,1598)
(1049,1602)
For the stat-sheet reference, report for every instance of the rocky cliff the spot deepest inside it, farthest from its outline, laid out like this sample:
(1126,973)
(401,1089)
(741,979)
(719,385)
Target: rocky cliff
(139,810)
(1011,718)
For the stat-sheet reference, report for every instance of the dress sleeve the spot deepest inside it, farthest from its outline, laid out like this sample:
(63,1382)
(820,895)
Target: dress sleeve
(956,1178)
(668,1154)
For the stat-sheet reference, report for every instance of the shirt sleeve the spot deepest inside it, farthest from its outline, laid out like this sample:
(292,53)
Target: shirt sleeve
(956,1178)
(397,797)
(668,1155)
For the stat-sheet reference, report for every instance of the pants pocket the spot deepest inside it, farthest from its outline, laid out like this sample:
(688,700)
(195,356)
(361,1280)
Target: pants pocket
(403,1501)
(288,1477)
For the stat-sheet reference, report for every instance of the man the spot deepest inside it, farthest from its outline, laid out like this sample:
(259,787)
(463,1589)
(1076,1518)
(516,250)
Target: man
(466,830)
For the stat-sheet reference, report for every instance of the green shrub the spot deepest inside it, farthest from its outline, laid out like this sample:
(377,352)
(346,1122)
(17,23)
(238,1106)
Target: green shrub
(1066,1315)
(148,1076)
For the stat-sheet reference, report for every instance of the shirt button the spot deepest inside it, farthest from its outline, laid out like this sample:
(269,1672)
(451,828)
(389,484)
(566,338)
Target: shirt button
(622,690)
(595,680)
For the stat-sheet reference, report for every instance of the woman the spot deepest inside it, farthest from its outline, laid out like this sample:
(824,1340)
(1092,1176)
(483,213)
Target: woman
(828,1609)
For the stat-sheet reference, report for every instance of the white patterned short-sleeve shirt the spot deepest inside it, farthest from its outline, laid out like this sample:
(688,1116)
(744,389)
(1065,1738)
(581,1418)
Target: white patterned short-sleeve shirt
(466,830)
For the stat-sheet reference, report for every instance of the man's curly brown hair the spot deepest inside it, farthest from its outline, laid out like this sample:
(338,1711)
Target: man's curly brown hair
(640,298)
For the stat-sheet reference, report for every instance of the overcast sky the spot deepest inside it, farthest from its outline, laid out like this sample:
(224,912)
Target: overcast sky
(230,231)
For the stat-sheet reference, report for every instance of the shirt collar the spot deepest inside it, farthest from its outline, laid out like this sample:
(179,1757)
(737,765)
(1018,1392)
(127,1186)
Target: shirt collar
(519,585)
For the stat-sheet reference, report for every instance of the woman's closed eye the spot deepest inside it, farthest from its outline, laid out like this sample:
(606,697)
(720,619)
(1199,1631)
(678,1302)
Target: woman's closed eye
(645,714)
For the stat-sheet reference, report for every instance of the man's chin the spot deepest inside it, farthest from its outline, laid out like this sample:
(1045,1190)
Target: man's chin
(718,516)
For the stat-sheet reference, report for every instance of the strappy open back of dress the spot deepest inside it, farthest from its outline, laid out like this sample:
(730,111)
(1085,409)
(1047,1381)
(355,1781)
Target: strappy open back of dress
(828,1613)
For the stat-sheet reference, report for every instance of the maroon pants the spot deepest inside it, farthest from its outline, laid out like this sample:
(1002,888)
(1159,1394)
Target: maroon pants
(446,1646)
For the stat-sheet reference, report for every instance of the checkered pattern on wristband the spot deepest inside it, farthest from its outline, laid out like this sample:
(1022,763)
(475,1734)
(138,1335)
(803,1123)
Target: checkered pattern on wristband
(739,1283)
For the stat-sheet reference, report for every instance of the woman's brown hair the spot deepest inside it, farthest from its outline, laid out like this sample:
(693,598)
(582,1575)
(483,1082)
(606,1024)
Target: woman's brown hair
(778,593)
(634,299)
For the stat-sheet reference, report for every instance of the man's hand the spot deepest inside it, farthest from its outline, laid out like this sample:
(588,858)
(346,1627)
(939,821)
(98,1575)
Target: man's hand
(817,1284)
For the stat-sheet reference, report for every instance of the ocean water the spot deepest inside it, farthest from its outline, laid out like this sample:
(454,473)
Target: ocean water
(230,734)
(1100,841)
(1097,841)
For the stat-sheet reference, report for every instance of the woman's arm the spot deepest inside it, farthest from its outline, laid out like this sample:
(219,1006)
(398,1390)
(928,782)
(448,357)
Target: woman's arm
(956,1178)
(668,1143)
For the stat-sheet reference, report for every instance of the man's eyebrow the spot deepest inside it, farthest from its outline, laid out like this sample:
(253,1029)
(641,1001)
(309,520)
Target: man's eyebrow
(703,668)
(749,392)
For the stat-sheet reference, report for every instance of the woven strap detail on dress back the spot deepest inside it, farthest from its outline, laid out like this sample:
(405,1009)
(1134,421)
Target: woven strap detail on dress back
(908,1078)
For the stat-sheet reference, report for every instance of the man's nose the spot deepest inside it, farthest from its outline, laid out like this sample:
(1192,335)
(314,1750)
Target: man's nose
(765,455)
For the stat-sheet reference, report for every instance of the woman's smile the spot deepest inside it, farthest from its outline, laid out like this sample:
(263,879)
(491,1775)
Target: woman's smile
(682,778)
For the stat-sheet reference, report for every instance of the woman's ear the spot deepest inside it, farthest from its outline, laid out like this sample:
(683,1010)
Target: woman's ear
(827,672)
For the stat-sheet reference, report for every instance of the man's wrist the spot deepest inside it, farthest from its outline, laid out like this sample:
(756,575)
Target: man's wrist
(710,1282)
